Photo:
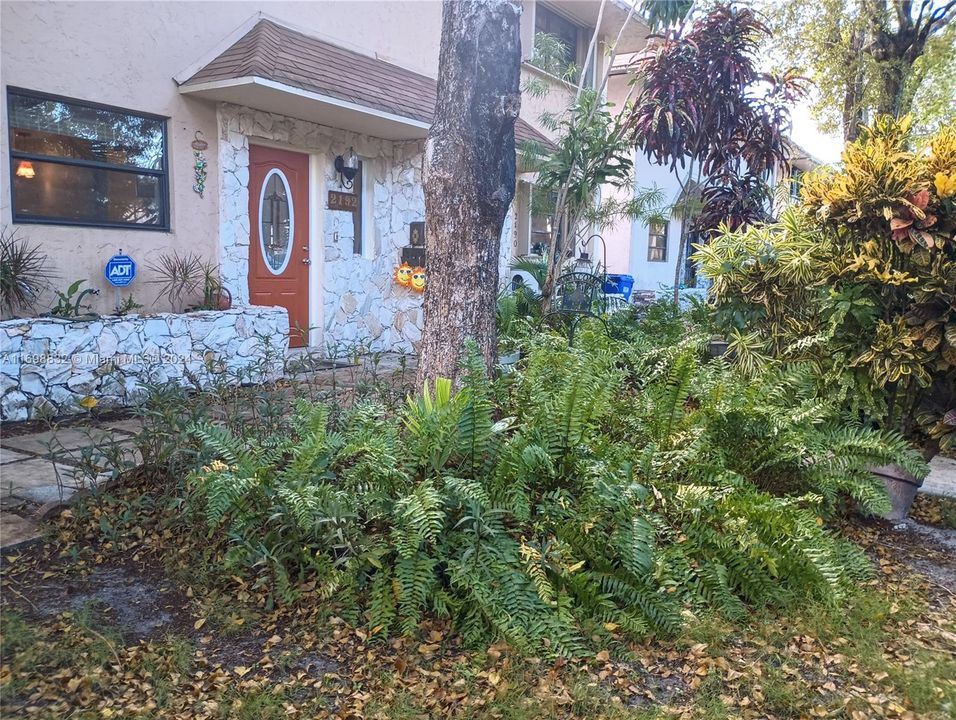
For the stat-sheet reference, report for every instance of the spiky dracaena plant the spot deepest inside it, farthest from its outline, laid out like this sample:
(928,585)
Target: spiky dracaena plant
(23,272)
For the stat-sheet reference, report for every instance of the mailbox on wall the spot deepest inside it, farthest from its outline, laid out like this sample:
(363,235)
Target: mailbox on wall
(414,253)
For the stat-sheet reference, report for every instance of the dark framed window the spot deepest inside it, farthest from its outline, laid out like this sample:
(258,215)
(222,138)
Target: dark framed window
(657,242)
(548,21)
(573,40)
(74,162)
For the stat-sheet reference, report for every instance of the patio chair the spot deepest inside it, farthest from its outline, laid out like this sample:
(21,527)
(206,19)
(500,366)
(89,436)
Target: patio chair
(578,295)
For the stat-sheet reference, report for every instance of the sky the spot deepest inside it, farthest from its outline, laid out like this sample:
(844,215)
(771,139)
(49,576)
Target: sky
(822,146)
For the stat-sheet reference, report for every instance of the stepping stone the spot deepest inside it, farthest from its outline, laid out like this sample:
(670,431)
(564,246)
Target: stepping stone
(133,426)
(41,443)
(36,480)
(942,477)
(8,455)
(15,530)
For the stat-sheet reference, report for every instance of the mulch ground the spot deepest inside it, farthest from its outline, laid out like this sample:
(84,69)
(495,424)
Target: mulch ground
(108,620)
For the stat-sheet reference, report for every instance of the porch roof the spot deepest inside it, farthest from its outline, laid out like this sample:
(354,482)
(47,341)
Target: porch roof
(276,68)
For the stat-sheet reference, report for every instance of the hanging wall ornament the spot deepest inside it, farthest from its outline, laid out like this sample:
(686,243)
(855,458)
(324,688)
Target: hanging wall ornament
(418,279)
(199,145)
(403,275)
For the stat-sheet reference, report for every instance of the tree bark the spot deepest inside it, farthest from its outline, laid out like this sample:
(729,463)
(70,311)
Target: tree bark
(852,100)
(469,180)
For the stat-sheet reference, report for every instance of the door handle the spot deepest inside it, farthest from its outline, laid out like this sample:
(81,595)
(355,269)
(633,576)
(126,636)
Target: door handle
(306,261)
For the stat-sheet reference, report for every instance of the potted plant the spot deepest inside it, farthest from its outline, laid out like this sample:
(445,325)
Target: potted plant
(216,296)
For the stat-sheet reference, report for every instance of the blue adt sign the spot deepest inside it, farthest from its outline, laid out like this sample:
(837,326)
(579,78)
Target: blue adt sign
(120,270)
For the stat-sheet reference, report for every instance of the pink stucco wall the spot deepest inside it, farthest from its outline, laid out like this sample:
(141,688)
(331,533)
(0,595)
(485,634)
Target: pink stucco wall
(126,54)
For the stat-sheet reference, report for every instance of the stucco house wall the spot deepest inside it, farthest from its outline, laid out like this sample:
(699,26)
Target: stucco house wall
(653,275)
(126,54)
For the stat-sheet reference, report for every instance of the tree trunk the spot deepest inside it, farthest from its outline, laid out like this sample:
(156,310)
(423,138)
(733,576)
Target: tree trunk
(556,252)
(891,99)
(852,99)
(469,179)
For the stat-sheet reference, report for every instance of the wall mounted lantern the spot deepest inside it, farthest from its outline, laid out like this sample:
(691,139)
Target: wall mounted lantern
(25,170)
(347,168)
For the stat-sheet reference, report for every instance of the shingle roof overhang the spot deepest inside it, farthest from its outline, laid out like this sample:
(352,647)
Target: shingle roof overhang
(278,69)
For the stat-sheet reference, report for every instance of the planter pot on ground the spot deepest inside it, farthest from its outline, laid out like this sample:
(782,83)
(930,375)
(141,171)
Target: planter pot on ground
(900,486)
(718,347)
(508,361)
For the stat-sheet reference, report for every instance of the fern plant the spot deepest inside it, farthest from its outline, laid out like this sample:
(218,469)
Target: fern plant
(603,491)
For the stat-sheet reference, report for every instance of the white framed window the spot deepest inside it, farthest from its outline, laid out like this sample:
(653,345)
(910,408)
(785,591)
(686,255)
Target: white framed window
(657,242)
(276,221)
(356,226)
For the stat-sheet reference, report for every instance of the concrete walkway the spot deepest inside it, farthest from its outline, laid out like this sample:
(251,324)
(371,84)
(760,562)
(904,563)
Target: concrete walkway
(942,478)
(41,471)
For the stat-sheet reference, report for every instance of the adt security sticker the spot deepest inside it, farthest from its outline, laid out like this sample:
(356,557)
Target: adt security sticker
(120,270)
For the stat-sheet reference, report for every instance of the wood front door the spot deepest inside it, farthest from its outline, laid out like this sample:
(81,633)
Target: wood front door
(279,235)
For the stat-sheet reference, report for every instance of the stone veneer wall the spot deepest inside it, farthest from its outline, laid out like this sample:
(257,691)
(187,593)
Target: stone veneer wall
(47,364)
(361,302)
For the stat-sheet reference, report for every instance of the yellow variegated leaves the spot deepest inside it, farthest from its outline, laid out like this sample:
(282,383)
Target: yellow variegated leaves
(945,184)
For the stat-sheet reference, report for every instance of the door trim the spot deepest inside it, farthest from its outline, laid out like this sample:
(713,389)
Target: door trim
(317,251)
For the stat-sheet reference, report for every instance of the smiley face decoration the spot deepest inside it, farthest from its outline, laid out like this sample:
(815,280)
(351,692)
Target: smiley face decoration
(418,279)
(412,278)
(403,275)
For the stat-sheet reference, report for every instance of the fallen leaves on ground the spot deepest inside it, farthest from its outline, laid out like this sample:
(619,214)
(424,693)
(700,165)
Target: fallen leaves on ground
(223,654)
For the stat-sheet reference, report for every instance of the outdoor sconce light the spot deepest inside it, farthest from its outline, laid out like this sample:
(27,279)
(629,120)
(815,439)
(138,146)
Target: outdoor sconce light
(25,170)
(347,168)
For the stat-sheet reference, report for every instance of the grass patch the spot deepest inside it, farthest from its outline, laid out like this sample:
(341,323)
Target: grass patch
(16,634)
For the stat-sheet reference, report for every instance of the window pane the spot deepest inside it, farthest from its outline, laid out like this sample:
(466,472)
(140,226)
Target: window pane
(566,31)
(83,194)
(657,242)
(52,127)
(275,233)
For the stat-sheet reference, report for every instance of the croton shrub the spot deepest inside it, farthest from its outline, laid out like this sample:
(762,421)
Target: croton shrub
(860,281)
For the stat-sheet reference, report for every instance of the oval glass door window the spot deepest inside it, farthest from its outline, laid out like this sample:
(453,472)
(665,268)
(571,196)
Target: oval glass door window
(276,221)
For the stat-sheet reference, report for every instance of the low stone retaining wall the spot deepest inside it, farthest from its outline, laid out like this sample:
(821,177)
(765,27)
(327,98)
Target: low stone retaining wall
(48,365)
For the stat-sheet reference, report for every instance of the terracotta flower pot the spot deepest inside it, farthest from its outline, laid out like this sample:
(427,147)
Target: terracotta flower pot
(901,487)
(225,299)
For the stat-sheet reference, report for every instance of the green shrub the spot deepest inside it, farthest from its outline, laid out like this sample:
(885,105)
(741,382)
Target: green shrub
(860,281)
(616,487)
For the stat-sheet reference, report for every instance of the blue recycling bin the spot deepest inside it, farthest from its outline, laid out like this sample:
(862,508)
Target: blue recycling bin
(619,285)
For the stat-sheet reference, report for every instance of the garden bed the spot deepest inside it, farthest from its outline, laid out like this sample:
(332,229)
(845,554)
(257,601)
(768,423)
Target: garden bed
(125,624)
(50,366)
